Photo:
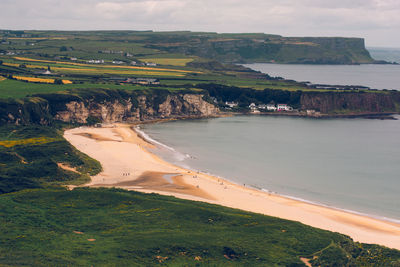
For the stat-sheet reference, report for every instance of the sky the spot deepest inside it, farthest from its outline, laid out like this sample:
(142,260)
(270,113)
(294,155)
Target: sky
(378,21)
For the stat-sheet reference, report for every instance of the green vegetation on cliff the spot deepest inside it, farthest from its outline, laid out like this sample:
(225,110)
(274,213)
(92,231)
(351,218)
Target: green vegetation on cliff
(30,158)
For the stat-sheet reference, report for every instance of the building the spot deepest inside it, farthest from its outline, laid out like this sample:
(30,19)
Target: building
(118,62)
(151,64)
(96,61)
(231,104)
(284,107)
(262,106)
(252,106)
(271,107)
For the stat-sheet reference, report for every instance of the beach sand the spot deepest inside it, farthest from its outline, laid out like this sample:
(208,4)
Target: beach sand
(128,164)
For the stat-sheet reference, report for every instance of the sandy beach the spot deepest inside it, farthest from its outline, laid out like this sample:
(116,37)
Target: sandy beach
(128,164)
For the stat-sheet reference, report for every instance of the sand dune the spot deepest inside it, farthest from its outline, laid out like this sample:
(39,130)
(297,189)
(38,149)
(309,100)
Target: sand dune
(128,164)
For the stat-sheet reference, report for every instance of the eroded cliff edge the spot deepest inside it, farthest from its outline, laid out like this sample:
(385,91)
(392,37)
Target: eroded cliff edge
(106,106)
(95,106)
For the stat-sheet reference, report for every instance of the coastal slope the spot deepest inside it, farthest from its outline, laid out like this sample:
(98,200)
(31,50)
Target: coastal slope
(128,164)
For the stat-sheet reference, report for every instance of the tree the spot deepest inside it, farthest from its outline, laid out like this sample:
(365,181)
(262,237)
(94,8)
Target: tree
(1,62)
(58,81)
(63,48)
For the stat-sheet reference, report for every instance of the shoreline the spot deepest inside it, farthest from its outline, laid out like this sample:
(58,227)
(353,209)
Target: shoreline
(125,148)
(150,140)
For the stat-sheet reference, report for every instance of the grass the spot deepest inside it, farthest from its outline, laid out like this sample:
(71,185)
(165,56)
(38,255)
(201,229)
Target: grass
(180,62)
(99,227)
(28,141)
(19,89)
(24,59)
(29,157)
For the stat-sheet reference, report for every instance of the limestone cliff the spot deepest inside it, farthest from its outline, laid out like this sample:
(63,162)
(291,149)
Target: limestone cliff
(105,106)
(180,105)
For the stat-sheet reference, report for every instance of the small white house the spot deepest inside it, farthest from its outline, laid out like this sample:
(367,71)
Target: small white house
(151,64)
(96,61)
(231,104)
(262,106)
(284,107)
(271,107)
(252,106)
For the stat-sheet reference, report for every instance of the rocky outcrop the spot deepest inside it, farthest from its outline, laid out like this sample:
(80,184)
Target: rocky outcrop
(148,108)
(331,103)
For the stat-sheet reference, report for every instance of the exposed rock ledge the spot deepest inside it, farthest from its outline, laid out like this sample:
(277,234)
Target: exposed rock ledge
(137,109)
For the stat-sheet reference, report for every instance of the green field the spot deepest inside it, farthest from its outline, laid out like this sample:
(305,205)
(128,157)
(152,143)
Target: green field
(54,50)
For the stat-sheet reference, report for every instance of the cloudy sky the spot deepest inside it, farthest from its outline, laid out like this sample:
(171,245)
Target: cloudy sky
(378,21)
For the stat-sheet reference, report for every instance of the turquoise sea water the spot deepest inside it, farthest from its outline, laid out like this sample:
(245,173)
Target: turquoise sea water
(373,76)
(351,164)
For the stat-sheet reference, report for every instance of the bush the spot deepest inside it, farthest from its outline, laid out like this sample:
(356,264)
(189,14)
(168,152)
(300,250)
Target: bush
(58,81)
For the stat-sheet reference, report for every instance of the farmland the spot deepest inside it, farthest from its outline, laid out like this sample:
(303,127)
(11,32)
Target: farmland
(67,56)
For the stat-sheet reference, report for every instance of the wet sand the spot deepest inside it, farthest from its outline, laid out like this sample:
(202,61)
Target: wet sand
(128,164)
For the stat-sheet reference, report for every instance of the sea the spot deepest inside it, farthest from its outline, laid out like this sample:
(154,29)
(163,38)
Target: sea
(375,76)
(349,164)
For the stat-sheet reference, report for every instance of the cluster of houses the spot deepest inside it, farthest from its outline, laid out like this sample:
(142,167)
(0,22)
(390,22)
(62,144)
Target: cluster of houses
(258,108)
(269,107)
(95,61)
(9,53)
(117,62)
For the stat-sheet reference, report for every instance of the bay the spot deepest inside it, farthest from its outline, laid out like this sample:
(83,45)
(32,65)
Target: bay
(351,164)
(374,76)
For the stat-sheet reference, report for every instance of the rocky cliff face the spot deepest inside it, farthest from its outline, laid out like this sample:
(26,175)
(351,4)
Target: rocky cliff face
(331,103)
(140,109)
(271,48)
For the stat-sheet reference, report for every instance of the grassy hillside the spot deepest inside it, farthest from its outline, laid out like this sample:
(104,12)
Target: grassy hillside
(43,224)
(102,227)
(30,158)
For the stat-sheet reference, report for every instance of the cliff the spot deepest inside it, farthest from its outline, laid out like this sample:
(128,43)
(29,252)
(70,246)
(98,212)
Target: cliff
(252,48)
(329,102)
(92,106)
(351,102)
(106,106)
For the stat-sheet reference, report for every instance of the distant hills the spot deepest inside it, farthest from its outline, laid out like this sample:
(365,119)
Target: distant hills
(225,47)
(263,48)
